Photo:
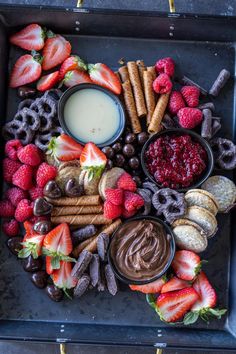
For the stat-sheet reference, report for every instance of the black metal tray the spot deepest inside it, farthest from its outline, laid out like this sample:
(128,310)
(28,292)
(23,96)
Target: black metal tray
(201,47)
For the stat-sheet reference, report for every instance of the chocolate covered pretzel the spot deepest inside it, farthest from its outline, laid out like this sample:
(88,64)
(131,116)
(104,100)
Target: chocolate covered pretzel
(225,153)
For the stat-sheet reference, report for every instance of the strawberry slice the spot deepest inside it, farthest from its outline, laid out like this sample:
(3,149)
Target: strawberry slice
(32,245)
(93,160)
(64,148)
(172,306)
(76,77)
(55,51)
(174,284)
(28,226)
(71,63)
(29,38)
(48,81)
(62,277)
(102,75)
(186,264)
(49,268)
(151,288)
(27,69)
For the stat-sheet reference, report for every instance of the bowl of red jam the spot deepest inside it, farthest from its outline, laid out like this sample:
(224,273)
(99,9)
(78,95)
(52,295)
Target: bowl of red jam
(179,159)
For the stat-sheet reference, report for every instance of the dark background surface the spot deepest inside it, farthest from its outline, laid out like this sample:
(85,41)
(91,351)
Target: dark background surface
(216,7)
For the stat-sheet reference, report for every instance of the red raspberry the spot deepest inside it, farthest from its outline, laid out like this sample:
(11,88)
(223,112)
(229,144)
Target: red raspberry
(35,192)
(24,210)
(126,182)
(189,118)
(115,196)
(15,195)
(23,177)
(133,201)
(111,211)
(11,227)
(11,148)
(45,173)
(176,102)
(165,65)
(191,95)
(9,168)
(30,155)
(128,214)
(162,84)
(7,210)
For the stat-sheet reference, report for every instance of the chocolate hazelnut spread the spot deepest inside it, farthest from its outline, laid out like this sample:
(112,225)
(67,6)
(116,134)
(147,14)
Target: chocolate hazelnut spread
(141,249)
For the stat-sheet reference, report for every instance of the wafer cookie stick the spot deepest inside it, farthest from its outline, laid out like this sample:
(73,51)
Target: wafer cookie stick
(137,88)
(130,107)
(124,74)
(96,219)
(152,70)
(77,210)
(149,94)
(158,114)
(84,200)
(141,69)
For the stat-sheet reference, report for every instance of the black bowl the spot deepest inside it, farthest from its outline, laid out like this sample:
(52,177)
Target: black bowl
(79,87)
(160,274)
(196,137)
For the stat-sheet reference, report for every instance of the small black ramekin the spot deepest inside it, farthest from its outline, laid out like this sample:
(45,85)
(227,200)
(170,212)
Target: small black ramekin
(160,274)
(196,137)
(79,87)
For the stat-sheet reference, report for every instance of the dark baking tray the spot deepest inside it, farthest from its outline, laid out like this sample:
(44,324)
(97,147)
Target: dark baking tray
(201,47)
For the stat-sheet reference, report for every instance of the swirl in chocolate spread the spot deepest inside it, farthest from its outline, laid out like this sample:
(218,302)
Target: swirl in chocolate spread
(140,249)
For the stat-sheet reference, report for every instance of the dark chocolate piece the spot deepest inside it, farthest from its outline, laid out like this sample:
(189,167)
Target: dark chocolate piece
(216,126)
(52,190)
(111,280)
(102,245)
(206,129)
(101,286)
(82,264)
(187,81)
(73,189)
(82,285)
(31,264)
(83,233)
(94,270)
(42,227)
(219,83)
(26,92)
(168,122)
(209,105)
(42,207)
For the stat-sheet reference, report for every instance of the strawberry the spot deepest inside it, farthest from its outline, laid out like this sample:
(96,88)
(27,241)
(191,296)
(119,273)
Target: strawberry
(102,75)
(7,210)
(126,182)
(27,69)
(191,95)
(45,173)
(174,284)
(15,195)
(23,177)
(48,81)
(29,38)
(24,210)
(30,155)
(128,214)
(9,168)
(32,245)
(29,227)
(11,148)
(150,288)
(111,211)
(186,264)
(71,63)
(49,268)
(76,77)
(55,51)
(93,160)
(132,201)
(115,196)
(62,277)
(172,306)
(11,227)
(64,148)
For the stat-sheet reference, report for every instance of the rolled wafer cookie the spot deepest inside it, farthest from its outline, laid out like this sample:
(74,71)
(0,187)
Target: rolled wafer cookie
(130,107)
(141,69)
(84,200)
(152,70)
(123,72)
(96,219)
(77,210)
(158,114)
(203,199)
(149,94)
(137,88)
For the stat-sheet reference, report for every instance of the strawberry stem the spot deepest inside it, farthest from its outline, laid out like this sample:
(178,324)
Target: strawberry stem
(50,34)
(37,57)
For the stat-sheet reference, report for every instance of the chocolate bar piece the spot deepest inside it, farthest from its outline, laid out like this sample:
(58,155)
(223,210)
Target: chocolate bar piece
(81,264)
(111,280)
(94,270)
(82,285)
(187,81)
(102,245)
(83,233)
(219,83)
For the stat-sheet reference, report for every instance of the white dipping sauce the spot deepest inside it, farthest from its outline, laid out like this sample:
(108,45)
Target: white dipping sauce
(91,115)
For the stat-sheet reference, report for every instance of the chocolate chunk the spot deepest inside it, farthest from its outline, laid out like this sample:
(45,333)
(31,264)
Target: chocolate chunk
(206,129)
(42,207)
(102,245)
(94,270)
(73,189)
(209,105)
(219,83)
(111,280)
(168,122)
(52,190)
(187,81)
(82,285)
(82,263)
(26,92)
(42,227)
(216,126)
(83,233)
(32,265)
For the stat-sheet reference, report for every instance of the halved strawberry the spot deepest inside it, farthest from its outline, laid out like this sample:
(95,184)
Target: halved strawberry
(64,148)
(46,82)
(186,264)
(75,77)
(49,268)
(29,38)
(27,69)
(55,51)
(28,227)
(62,277)
(102,75)
(32,245)
(71,63)
(151,288)
(172,306)
(93,160)
(175,284)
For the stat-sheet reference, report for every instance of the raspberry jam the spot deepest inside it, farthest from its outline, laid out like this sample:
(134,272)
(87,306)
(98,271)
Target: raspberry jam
(175,161)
